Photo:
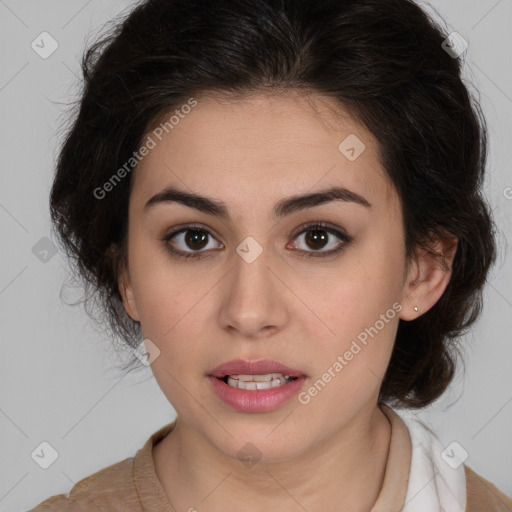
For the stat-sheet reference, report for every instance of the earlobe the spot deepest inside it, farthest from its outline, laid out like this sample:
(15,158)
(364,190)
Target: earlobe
(428,278)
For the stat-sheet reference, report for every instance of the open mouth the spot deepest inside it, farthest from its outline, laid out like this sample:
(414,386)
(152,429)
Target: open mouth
(259,386)
(257,382)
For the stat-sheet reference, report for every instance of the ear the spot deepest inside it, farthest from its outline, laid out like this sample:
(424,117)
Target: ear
(427,277)
(125,286)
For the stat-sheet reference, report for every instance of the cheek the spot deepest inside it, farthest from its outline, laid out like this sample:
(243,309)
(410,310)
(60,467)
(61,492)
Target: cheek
(353,296)
(352,365)
(361,308)
(169,312)
(161,292)
(173,301)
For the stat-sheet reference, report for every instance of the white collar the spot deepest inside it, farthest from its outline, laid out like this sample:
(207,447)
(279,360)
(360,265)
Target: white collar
(434,485)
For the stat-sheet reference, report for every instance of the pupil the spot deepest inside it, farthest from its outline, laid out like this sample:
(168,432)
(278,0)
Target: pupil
(315,238)
(196,238)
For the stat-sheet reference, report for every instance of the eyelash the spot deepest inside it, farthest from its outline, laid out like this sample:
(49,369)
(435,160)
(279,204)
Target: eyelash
(320,226)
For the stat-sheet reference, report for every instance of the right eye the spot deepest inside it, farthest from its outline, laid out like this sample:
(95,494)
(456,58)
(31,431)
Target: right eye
(192,237)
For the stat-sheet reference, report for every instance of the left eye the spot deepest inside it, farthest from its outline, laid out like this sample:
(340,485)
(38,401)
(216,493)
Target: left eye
(316,236)
(196,238)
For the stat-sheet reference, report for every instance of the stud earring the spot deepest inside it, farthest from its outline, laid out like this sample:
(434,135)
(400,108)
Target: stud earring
(416,308)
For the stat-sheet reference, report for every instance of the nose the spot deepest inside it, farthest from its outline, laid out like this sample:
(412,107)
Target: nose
(253,303)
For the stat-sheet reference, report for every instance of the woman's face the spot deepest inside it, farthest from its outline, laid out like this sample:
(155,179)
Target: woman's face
(257,284)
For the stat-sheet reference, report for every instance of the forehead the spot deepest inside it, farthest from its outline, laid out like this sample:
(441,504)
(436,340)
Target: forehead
(264,146)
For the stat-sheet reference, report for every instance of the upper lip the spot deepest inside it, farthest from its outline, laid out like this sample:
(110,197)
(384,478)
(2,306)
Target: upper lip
(261,367)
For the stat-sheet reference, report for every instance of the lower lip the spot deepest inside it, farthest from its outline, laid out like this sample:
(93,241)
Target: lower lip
(259,400)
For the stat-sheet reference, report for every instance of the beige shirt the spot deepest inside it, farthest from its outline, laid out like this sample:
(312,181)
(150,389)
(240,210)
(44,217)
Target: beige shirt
(132,485)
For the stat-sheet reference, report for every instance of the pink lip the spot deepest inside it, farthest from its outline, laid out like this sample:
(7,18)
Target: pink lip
(239,366)
(259,400)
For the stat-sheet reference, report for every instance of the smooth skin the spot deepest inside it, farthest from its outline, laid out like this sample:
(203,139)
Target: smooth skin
(251,153)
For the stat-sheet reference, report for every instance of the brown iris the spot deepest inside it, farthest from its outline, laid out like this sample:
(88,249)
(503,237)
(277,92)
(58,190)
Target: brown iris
(196,236)
(316,236)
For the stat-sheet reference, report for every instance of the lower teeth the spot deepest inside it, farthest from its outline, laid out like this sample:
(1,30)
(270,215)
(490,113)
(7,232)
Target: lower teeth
(253,386)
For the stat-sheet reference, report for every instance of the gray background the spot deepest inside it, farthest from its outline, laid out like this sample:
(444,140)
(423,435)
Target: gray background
(58,376)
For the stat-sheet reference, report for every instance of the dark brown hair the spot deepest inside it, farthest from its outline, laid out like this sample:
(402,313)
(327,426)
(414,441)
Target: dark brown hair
(383,60)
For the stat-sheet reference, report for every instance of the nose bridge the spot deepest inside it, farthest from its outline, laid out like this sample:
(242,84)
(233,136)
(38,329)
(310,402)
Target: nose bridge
(251,277)
(253,301)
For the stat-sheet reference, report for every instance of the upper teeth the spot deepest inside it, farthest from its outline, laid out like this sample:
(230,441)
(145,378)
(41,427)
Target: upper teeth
(254,382)
(259,378)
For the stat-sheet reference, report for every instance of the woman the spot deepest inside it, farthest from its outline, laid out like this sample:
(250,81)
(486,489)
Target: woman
(279,206)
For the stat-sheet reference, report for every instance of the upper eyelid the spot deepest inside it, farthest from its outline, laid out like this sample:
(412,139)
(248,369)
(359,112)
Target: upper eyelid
(185,228)
(322,225)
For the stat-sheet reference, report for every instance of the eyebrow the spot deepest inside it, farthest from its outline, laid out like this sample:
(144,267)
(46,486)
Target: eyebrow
(281,209)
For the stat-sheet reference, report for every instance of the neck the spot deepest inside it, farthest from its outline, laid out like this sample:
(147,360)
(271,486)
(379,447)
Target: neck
(342,472)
